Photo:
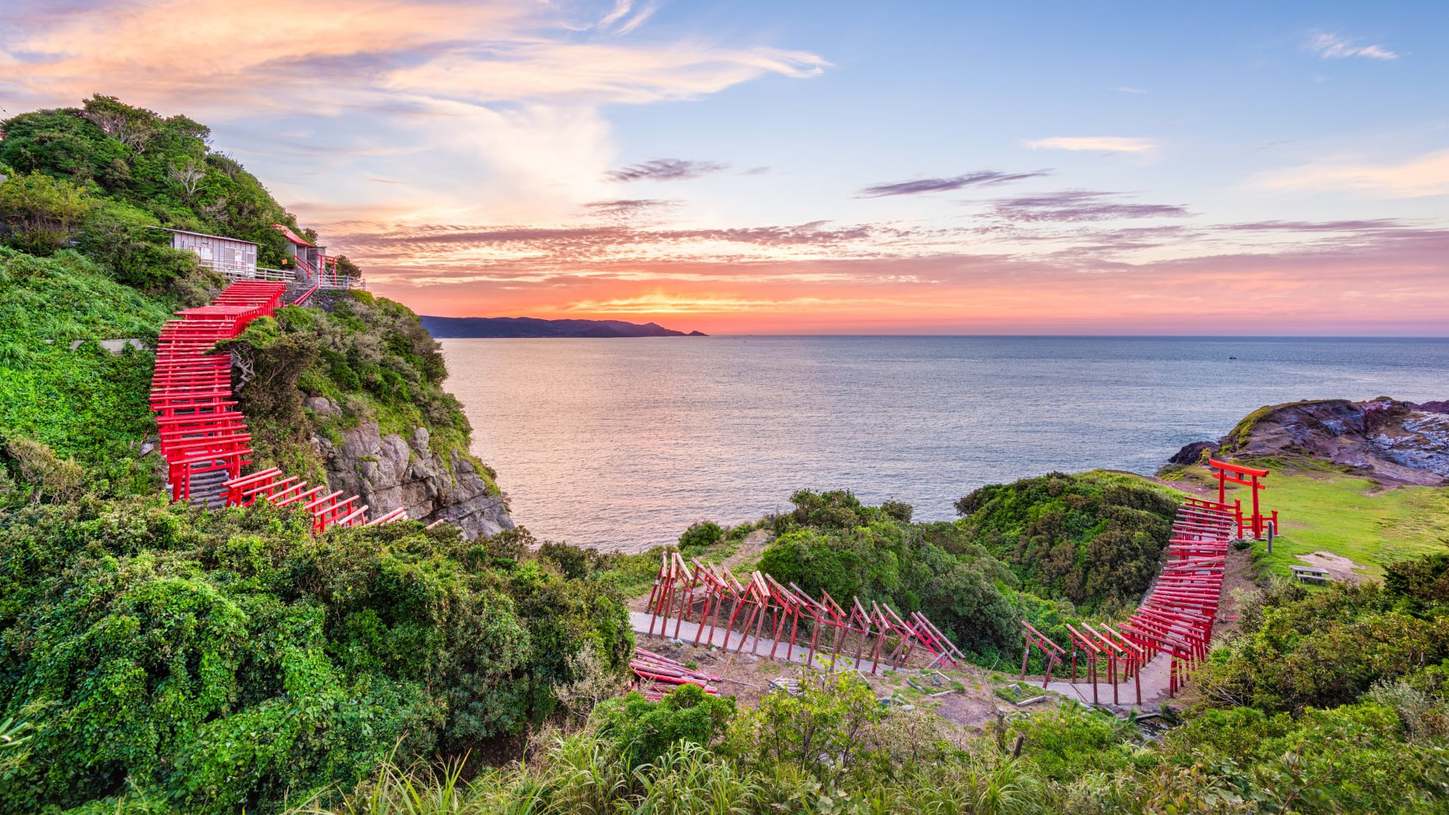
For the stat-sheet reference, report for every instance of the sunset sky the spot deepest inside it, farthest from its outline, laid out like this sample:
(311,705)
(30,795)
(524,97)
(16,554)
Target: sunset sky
(830,167)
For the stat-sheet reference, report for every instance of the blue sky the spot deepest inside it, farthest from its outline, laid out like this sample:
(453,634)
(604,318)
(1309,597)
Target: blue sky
(1044,167)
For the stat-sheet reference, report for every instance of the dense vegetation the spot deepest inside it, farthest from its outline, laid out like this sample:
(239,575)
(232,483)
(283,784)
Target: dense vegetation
(1095,538)
(1020,550)
(58,386)
(368,358)
(113,171)
(833,543)
(158,659)
(834,749)
(1302,648)
(210,661)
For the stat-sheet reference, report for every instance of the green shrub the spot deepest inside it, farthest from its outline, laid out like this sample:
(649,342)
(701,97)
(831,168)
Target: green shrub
(58,386)
(699,537)
(227,660)
(922,567)
(641,731)
(129,242)
(1321,648)
(54,478)
(1093,538)
(40,213)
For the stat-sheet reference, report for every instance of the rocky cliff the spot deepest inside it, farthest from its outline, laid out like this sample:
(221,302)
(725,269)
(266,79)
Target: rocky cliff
(390,471)
(1391,441)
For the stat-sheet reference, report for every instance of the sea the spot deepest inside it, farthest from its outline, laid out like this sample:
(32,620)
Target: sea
(621,444)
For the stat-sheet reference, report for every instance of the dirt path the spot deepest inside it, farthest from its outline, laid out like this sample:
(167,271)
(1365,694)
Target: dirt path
(749,549)
(747,552)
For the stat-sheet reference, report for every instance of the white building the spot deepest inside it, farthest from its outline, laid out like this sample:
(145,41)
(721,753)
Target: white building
(229,256)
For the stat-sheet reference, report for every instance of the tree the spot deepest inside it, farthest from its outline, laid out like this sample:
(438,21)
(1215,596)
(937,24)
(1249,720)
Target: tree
(40,212)
(347,268)
(129,125)
(129,243)
(187,176)
(62,144)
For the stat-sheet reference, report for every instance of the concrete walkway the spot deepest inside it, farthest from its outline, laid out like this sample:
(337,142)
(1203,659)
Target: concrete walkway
(760,647)
(1156,676)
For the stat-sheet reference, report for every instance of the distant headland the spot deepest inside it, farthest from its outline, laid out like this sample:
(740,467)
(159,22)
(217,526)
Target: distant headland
(528,327)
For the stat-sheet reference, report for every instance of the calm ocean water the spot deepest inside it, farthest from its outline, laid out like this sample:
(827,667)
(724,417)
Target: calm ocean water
(622,443)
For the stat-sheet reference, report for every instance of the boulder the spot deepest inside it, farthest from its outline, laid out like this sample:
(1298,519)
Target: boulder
(1195,452)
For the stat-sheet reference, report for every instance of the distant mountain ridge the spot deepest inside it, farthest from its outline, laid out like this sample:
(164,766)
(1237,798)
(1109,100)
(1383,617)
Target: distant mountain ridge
(528,327)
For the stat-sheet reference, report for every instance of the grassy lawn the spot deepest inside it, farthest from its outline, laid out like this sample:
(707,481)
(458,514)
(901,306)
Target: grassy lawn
(1328,510)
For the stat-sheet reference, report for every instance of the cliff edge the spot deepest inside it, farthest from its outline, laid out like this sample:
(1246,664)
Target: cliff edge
(351,391)
(1390,441)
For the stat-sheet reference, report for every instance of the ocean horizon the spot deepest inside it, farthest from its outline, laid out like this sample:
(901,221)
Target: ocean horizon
(621,445)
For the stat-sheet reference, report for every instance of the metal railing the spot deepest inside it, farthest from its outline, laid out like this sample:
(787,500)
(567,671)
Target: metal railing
(327,280)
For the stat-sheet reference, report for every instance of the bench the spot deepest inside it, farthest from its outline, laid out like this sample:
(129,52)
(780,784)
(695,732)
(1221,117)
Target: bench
(1310,574)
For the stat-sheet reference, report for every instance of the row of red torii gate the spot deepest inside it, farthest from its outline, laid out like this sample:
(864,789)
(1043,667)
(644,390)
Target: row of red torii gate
(1177,616)
(708,604)
(203,435)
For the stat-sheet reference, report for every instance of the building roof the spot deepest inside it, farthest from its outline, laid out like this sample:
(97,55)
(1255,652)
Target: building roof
(206,235)
(292,236)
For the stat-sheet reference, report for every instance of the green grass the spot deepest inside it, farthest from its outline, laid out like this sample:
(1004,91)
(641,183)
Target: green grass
(1324,509)
(84,402)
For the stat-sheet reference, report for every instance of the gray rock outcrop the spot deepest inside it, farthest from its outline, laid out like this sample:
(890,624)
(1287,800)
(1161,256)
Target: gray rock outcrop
(1390,441)
(389,471)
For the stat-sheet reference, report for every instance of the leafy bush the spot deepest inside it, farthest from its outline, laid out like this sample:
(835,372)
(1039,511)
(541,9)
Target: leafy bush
(1353,758)
(1300,647)
(700,536)
(57,385)
(55,479)
(642,731)
(226,660)
(39,213)
(129,242)
(1093,538)
(922,567)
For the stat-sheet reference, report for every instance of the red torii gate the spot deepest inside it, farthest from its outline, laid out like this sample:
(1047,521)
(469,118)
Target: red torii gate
(1175,618)
(1229,473)
(760,606)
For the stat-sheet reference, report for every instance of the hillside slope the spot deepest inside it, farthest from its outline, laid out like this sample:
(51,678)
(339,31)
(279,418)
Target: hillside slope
(352,393)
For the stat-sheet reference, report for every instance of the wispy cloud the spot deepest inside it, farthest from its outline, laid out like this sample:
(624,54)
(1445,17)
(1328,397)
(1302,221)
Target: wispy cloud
(1094,144)
(627,206)
(1080,205)
(980,178)
(508,96)
(1361,225)
(1299,289)
(1131,90)
(624,17)
(1423,175)
(1097,144)
(594,241)
(666,169)
(1333,46)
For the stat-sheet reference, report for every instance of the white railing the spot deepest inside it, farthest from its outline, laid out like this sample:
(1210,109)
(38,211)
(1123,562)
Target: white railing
(233,270)
(276,275)
(332,280)
(328,280)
